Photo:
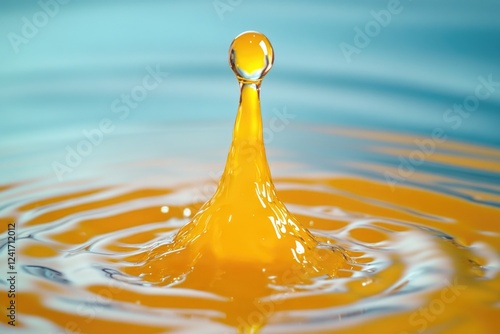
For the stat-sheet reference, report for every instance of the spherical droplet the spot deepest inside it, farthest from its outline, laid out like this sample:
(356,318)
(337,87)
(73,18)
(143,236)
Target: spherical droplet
(251,56)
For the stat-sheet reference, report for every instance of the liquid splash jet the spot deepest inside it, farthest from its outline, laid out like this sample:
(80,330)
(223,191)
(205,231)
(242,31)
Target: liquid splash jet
(244,227)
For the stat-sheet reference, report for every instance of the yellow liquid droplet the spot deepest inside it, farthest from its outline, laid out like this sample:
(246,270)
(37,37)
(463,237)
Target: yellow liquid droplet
(245,222)
(244,227)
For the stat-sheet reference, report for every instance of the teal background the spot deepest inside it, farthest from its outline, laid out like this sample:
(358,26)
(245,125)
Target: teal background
(65,78)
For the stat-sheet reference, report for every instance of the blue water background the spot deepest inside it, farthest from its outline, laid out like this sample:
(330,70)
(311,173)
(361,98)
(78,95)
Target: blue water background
(65,78)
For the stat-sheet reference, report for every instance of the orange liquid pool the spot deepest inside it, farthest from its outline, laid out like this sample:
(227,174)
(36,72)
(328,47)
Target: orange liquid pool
(349,254)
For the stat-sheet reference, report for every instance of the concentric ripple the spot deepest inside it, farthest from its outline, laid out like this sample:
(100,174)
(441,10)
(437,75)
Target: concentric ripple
(423,252)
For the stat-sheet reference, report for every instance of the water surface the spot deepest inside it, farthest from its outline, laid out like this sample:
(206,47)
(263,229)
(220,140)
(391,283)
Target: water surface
(363,151)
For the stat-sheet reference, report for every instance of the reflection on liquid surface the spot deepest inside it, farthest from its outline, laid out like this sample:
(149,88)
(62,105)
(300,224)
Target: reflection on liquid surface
(423,253)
